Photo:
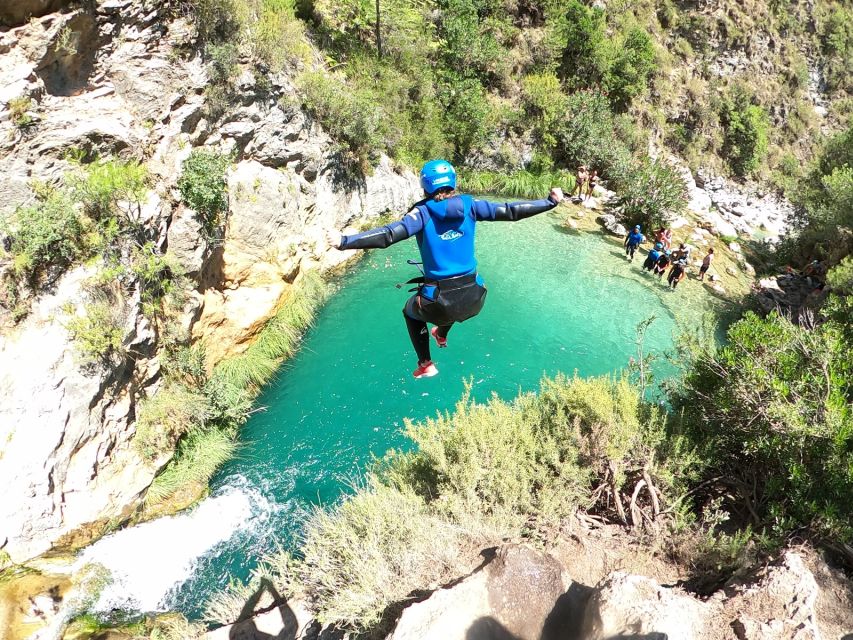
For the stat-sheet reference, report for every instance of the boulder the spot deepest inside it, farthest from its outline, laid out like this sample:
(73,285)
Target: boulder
(13,14)
(520,593)
(608,221)
(630,606)
(734,246)
(780,605)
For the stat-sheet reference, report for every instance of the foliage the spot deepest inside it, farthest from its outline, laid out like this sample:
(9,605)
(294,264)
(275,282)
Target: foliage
(46,234)
(840,277)
(18,108)
(746,133)
(836,35)
(519,184)
(166,417)
(98,328)
(482,473)
(277,36)
(203,187)
(174,626)
(372,550)
(632,64)
(777,398)
(216,20)
(590,136)
(350,116)
(104,185)
(197,458)
(650,193)
(545,105)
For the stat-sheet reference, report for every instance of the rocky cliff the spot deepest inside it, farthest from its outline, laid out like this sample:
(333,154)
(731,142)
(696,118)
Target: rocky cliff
(121,78)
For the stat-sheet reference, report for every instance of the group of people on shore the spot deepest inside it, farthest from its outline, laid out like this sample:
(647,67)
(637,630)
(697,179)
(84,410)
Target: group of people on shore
(661,257)
(585,182)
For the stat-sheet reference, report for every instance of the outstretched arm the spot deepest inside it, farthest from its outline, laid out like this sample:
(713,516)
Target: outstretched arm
(512,211)
(380,237)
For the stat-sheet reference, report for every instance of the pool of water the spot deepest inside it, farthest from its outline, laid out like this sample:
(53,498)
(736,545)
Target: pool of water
(557,301)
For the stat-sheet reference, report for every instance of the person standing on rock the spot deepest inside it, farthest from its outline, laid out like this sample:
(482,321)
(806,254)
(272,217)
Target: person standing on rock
(706,262)
(591,184)
(443,223)
(581,178)
(632,241)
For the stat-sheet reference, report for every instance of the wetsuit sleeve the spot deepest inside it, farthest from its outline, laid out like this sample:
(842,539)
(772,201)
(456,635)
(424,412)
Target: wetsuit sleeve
(385,236)
(510,211)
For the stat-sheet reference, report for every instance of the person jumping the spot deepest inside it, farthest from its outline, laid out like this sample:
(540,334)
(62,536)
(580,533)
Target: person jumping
(443,223)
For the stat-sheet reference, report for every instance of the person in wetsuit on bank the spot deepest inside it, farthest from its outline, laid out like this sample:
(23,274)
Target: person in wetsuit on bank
(443,224)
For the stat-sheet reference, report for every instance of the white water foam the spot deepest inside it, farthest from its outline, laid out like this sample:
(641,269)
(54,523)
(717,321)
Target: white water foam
(148,561)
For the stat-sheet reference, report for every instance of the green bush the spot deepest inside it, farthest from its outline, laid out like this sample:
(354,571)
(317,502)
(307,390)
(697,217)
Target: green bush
(198,456)
(98,331)
(590,136)
(277,36)
(545,106)
(836,34)
(351,117)
(108,187)
(203,187)
(18,108)
(168,416)
(633,62)
(483,473)
(649,193)
(216,20)
(581,33)
(770,412)
(46,234)
(746,133)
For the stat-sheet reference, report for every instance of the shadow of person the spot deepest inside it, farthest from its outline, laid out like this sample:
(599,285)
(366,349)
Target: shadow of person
(246,627)
(487,628)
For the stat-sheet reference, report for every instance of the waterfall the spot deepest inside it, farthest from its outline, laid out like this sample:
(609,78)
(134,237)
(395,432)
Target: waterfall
(147,562)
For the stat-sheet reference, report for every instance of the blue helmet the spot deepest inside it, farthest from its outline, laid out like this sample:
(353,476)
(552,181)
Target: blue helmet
(437,174)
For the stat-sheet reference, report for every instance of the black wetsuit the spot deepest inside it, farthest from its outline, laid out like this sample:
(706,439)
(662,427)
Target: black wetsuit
(675,273)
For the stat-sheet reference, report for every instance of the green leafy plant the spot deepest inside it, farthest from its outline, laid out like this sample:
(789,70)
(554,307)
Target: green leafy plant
(44,235)
(18,108)
(203,187)
(110,187)
(650,193)
(98,331)
(746,132)
(519,184)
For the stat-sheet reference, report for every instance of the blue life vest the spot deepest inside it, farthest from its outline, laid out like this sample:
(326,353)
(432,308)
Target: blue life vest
(447,240)
(635,238)
(654,254)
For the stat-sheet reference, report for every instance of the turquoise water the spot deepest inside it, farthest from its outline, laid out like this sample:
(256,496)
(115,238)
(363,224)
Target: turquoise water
(557,301)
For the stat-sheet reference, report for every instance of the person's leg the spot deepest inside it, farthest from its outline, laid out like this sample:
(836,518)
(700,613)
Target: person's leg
(419,336)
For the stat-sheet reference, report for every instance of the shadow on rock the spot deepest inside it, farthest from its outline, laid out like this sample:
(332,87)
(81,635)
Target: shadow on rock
(247,627)
(488,628)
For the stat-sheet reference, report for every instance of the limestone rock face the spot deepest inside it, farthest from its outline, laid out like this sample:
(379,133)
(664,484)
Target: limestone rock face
(66,459)
(626,606)
(513,596)
(780,606)
(113,79)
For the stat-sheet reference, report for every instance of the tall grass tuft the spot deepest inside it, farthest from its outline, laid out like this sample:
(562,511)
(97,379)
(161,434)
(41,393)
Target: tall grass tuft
(197,458)
(518,184)
(204,420)
(278,339)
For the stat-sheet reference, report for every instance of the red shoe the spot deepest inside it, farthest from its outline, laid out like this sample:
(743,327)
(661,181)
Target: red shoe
(425,370)
(441,342)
